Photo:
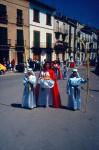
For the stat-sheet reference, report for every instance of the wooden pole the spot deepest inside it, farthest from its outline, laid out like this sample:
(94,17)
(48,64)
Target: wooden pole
(87,74)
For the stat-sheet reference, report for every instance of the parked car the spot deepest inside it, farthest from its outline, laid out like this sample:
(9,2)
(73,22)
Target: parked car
(20,67)
(2,69)
(35,65)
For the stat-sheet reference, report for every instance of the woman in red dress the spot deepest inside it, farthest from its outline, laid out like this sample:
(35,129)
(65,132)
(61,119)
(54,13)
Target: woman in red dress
(55,90)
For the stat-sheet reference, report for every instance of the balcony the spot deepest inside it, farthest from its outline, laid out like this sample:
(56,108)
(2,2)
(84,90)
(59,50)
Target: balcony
(61,30)
(42,46)
(60,46)
(58,30)
(4,19)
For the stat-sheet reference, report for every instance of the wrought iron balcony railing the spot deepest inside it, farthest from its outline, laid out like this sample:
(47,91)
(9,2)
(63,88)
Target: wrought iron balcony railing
(61,30)
(42,45)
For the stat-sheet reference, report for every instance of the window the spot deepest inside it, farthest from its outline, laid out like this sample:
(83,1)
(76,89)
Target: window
(48,19)
(36,39)
(19,17)
(48,40)
(20,40)
(4,49)
(36,16)
(20,46)
(3,14)
(3,36)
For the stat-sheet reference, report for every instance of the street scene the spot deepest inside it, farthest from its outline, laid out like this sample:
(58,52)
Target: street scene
(47,128)
(49,75)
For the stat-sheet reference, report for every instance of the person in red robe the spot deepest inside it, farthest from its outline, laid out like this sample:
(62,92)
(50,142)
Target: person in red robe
(55,90)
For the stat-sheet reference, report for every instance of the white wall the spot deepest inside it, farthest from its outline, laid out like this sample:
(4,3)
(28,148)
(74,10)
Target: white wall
(42,27)
(42,20)
(42,35)
(61,28)
(72,39)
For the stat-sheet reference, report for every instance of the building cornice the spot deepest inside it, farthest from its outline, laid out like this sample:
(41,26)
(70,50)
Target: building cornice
(18,4)
(42,5)
(41,27)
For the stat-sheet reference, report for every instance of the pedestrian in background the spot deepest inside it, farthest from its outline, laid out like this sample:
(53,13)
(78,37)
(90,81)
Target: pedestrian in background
(57,70)
(13,64)
(65,69)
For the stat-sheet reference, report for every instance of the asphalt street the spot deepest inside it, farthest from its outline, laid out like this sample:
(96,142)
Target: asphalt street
(47,128)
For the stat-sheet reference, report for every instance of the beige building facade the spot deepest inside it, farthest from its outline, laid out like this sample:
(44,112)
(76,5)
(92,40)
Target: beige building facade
(14,30)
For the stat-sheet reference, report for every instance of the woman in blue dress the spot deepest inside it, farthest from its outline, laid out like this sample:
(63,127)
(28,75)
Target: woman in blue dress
(73,90)
(29,81)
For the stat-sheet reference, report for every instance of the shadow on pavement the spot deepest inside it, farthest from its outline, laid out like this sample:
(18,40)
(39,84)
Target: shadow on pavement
(16,105)
(66,107)
(93,90)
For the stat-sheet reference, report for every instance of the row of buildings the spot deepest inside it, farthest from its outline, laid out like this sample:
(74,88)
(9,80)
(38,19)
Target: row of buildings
(32,29)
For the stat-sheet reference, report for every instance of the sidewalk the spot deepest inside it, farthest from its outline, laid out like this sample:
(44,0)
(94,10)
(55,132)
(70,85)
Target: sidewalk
(10,73)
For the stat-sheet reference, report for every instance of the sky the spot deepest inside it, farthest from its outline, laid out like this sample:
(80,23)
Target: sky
(85,11)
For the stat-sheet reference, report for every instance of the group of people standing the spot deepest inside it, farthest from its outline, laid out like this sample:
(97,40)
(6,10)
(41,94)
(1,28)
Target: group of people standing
(10,65)
(41,91)
(44,92)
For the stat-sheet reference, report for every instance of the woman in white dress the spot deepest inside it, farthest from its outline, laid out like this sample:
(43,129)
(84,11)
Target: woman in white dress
(29,81)
(45,89)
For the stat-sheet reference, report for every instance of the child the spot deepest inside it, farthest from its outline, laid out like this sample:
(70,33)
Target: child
(28,100)
(73,90)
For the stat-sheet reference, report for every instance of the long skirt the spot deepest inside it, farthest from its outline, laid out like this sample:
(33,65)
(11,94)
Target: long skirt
(45,97)
(28,99)
(74,100)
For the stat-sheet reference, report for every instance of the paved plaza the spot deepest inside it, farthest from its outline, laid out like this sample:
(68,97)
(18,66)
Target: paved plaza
(47,128)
